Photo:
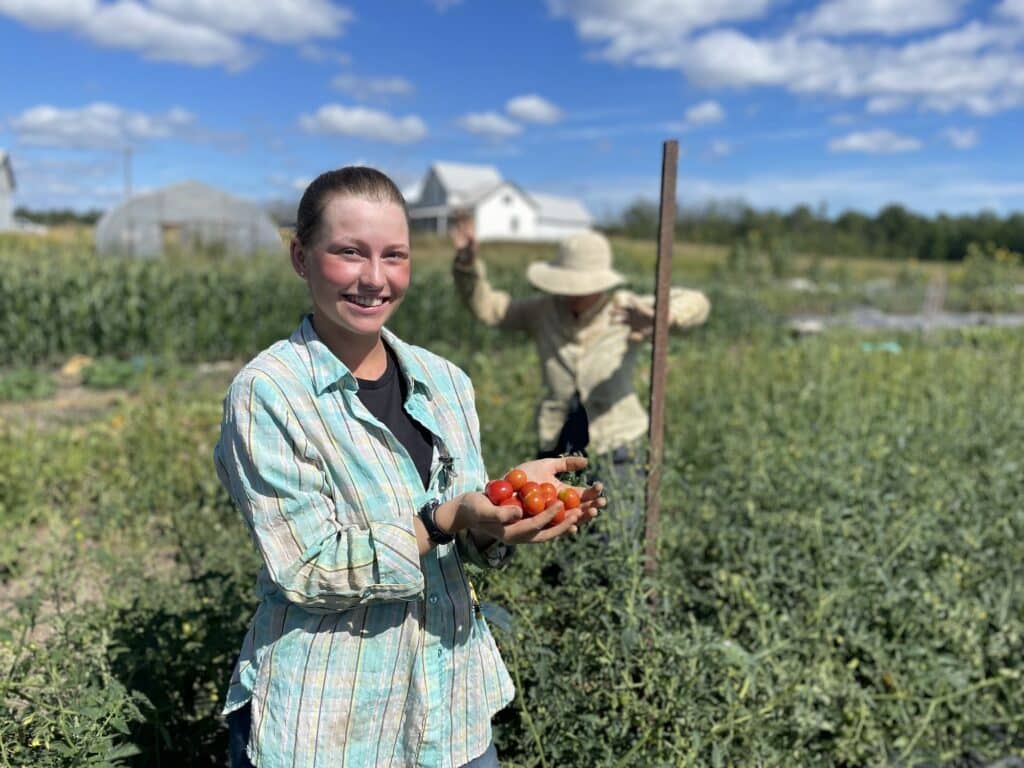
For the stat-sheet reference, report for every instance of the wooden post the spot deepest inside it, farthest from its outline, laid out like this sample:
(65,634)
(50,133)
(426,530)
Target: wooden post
(659,350)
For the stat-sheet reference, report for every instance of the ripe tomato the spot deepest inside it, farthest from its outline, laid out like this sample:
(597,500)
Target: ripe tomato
(516,478)
(558,518)
(549,491)
(533,503)
(512,501)
(569,497)
(525,488)
(497,491)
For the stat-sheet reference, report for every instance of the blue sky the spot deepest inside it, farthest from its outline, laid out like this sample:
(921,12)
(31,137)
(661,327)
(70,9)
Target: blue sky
(842,103)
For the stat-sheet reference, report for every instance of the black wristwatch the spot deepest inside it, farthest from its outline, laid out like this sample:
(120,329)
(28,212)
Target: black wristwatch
(434,532)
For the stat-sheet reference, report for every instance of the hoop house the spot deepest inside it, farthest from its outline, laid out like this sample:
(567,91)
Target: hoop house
(184,218)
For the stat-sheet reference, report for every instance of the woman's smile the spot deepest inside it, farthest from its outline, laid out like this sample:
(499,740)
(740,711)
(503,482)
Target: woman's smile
(367,303)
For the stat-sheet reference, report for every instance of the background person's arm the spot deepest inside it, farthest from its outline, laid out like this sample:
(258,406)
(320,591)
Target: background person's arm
(489,305)
(687,308)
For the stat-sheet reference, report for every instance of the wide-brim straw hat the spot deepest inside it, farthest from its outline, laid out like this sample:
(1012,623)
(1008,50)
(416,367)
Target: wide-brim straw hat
(583,265)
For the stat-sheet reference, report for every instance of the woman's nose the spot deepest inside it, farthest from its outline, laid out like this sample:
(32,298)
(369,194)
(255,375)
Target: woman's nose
(372,275)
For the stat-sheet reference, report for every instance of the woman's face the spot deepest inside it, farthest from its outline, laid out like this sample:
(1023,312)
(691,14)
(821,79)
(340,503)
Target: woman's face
(358,269)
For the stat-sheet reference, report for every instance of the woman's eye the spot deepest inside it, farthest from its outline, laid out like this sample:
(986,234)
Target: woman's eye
(398,255)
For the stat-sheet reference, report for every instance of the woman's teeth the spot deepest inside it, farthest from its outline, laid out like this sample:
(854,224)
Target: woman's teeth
(366,301)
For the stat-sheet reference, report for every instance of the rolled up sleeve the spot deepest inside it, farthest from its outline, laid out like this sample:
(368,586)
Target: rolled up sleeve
(688,308)
(489,305)
(312,549)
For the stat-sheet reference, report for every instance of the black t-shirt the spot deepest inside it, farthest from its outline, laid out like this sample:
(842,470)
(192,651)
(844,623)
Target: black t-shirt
(384,398)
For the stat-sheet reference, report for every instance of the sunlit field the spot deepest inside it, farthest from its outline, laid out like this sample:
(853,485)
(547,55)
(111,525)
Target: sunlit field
(842,544)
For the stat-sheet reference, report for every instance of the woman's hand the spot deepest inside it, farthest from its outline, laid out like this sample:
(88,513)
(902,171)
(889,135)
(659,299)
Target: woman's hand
(480,516)
(546,471)
(463,235)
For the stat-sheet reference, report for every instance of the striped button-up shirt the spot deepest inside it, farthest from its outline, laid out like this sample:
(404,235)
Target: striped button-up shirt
(591,354)
(361,652)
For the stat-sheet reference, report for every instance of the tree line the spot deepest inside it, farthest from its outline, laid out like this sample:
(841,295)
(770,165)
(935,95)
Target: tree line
(58,216)
(894,233)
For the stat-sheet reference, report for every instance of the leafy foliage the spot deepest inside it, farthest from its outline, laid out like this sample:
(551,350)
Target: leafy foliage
(26,384)
(839,565)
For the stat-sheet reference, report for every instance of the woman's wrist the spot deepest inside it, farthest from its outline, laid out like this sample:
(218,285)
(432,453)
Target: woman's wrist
(448,517)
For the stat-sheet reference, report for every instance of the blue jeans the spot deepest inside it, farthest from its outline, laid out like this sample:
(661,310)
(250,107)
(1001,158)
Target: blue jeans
(240,722)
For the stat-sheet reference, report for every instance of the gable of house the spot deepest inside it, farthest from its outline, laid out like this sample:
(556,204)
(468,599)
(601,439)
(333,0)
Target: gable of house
(505,210)
(6,172)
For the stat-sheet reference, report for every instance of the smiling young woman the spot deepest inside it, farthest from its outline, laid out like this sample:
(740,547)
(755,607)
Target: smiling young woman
(354,458)
(356,263)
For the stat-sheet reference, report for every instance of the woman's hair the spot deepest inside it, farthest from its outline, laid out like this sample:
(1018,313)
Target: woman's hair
(351,181)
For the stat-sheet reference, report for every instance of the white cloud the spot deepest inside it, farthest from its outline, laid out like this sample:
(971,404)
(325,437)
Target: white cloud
(884,105)
(321,53)
(372,87)
(886,17)
(978,67)
(705,113)
(48,13)
(641,30)
(1014,9)
(490,125)
(98,125)
(961,138)
(880,142)
(196,32)
(157,36)
(720,148)
(363,123)
(531,108)
(280,21)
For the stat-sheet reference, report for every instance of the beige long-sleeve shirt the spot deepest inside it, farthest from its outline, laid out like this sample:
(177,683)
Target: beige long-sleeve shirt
(591,354)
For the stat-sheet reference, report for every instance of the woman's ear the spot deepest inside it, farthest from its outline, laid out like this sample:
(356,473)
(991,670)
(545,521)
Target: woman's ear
(298,257)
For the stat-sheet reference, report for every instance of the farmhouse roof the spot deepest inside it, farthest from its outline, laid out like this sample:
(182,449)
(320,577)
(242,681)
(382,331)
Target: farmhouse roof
(465,182)
(562,209)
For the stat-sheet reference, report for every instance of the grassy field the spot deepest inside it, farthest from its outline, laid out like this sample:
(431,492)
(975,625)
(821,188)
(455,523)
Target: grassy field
(841,558)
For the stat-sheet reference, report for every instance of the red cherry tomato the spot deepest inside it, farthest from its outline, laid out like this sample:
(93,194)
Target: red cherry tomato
(533,503)
(512,501)
(525,488)
(549,491)
(569,497)
(498,490)
(559,517)
(516,478)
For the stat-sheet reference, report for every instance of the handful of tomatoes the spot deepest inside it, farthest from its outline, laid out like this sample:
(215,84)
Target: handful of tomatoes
(517,490)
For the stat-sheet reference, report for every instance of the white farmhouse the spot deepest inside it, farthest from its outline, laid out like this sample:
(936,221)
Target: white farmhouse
(501,210)
(6,192)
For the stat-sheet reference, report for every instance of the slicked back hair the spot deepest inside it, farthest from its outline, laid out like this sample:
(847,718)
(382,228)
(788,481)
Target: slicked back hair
(351,181)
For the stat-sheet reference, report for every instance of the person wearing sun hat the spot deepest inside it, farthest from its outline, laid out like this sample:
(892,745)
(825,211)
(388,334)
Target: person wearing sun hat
(588,329)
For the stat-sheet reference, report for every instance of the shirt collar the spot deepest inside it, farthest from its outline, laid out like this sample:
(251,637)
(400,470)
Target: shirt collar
(326,369)
(409,363)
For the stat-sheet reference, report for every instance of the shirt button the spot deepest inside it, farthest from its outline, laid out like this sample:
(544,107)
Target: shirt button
(433,599)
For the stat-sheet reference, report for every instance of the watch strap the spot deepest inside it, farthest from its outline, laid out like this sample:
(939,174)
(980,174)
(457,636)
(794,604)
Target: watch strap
(434,533)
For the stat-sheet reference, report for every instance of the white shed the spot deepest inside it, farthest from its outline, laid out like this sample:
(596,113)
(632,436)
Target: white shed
(6,192)
(501,210)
